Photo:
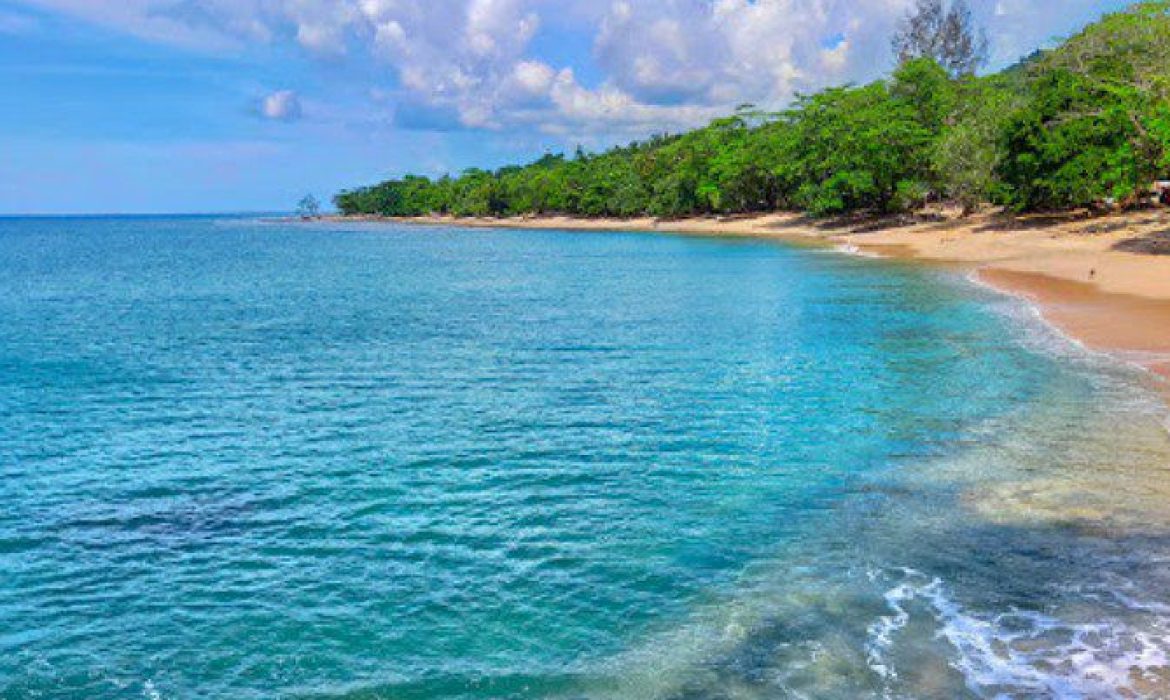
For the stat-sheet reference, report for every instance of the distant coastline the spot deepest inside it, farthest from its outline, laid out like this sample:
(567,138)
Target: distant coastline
(1078,129)
(1070,265)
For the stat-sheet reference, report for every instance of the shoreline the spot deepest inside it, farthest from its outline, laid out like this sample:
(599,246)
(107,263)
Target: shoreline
(1111,301)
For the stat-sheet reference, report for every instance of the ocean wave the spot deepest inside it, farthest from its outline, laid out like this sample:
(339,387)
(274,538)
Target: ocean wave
(851,249)
(1028,653)
(883,630)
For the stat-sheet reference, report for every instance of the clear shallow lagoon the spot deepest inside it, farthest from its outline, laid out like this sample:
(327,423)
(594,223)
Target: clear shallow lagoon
(254,460)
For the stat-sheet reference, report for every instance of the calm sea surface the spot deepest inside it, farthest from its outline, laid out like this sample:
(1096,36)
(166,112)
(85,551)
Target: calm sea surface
(247,460)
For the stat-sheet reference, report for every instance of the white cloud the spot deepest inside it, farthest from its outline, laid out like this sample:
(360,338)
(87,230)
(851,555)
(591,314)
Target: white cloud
(533,77)
(581,110)
(464,56)
(282,105)
(725,51)
(663,64)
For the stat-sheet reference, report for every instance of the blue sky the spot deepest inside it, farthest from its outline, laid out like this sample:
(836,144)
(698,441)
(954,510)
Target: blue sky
(246,105)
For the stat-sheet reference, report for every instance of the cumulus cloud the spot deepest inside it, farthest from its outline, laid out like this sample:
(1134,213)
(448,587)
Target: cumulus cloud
(663,64)
(466,56)
(282,105)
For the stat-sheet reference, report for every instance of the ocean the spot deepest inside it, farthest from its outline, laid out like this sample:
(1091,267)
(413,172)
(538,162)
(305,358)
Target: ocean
(256,459)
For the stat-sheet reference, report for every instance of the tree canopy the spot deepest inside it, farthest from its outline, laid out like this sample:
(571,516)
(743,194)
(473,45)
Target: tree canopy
(947,35)
(308,207)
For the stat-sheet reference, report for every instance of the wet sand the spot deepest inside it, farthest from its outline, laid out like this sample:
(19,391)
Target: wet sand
(1135,327)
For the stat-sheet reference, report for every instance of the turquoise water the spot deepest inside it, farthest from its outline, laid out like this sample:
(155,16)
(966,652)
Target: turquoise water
(243,459)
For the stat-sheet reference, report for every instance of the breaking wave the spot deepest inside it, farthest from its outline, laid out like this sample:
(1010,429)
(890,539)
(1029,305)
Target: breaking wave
(1022,653)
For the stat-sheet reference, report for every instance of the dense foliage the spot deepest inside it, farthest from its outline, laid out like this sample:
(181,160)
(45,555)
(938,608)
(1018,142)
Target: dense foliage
(1083,124)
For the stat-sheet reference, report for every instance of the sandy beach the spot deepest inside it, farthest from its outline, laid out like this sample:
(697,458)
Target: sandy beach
(1109,299)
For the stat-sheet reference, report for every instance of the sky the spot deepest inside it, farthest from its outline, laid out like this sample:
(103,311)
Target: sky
(166,106)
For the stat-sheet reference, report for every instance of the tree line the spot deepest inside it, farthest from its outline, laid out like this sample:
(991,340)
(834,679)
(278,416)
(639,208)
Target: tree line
(1079,125)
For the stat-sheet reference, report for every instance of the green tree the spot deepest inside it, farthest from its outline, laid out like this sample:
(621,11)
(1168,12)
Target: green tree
(968,154)
(949,36)
(1079,142)
(855,148)
(308,207)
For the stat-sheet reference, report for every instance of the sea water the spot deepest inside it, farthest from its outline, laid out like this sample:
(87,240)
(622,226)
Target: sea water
(250,459)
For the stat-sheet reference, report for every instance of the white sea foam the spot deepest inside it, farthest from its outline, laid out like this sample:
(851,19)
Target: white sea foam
(1133,603)
(1039,332)
(882,631)
(1021,652)
(850,249)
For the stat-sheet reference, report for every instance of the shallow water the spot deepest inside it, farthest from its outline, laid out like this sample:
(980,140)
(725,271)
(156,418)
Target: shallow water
(250,460)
